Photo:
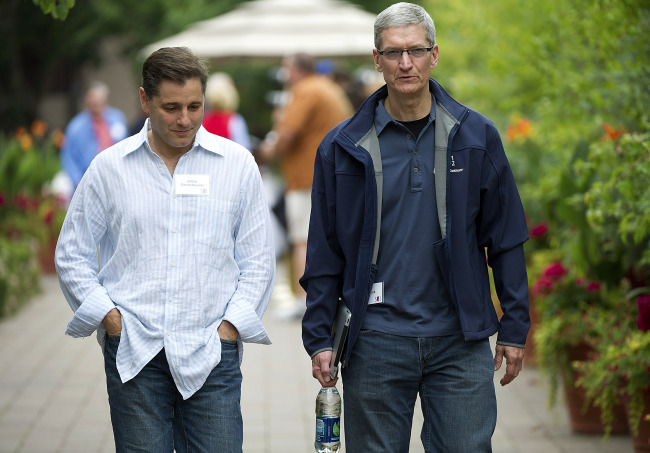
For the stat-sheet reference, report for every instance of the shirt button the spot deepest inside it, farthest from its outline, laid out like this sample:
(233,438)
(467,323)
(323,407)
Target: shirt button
(174,230)
(416,170)
(173,264)
(170,299)
(408,135)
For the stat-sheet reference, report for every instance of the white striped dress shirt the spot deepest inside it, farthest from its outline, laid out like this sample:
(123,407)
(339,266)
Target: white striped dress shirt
(174,265)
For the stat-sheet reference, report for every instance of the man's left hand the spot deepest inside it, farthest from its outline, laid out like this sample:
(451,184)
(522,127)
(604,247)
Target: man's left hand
(514,361)
(227,331)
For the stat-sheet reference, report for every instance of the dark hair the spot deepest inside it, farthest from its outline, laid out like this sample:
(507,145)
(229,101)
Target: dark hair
(177,64)
(303,62)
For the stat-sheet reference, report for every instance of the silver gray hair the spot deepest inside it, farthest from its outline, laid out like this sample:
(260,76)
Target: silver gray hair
(401,15)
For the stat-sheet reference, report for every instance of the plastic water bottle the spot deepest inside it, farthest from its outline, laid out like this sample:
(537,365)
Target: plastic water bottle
(328,421)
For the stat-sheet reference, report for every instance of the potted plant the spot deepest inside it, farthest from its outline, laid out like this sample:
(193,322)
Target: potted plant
(539,254)
(31,214)
(29,161)
(619,370)
(574,316)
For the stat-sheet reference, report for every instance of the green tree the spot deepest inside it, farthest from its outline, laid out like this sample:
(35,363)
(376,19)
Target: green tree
(41,55)
(377,6)
(57,8)
(569,67)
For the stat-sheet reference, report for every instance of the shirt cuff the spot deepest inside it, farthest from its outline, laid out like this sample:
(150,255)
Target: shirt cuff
(241,315)
(516,345)
(90,314)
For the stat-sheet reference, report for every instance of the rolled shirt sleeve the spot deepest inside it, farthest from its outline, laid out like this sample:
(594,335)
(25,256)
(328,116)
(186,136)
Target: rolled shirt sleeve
(90,314)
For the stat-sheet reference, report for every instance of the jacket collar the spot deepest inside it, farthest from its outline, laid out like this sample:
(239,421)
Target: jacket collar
(363,119)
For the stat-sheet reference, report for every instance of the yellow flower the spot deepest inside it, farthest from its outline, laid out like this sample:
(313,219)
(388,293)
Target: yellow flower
(38,128)
(20,132)
(26,142)
(58,137)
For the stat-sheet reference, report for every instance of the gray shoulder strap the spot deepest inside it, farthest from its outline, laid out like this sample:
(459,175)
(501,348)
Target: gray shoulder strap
(370,142)
(444,123)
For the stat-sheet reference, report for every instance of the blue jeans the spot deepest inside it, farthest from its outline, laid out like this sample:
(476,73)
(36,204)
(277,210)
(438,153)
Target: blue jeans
(454,378)
(149,414)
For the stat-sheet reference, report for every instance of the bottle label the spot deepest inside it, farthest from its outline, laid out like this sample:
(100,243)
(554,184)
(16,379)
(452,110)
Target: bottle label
(328,429)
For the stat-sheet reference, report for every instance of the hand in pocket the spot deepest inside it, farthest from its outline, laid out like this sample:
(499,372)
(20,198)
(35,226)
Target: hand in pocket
(113,322)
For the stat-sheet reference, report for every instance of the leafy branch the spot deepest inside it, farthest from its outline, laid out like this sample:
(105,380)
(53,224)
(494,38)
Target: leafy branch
(57,8)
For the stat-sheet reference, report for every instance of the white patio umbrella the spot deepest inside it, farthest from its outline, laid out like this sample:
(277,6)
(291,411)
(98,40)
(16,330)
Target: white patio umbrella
(274,28)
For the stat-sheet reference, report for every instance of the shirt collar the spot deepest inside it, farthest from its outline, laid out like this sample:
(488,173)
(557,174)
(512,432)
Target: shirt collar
(383,118)
(201,140)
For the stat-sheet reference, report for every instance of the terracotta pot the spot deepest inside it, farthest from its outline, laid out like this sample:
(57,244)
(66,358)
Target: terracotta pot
(642,439)
(588,420)
(46,257)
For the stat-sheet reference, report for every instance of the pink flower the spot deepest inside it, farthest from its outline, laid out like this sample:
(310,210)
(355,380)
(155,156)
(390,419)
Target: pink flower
(555,271)
(47,218)
(543,286)
(539,230)
(643,321)
(593,287)
(21,201)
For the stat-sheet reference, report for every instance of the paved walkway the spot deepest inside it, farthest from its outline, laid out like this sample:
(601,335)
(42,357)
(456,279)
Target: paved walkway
(53,394)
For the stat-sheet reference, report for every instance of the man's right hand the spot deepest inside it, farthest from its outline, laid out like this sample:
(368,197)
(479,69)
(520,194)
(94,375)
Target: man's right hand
(320,369)
(113,322)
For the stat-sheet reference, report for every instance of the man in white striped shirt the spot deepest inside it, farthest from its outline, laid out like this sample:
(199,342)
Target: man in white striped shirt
(166,251)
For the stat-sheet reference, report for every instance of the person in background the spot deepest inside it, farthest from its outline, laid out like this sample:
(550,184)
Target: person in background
(316,105)
(91,131)
(221,117)
(185,272)
(412,198)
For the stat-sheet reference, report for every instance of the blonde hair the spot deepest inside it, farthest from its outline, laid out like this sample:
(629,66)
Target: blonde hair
(221,93)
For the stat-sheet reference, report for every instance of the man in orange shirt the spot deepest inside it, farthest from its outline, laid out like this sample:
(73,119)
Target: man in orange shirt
(316,105)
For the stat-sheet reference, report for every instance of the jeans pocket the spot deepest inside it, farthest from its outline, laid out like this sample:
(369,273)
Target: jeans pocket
(111,345)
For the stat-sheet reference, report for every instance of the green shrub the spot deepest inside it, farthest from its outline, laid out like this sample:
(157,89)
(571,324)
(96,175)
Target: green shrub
(19,273)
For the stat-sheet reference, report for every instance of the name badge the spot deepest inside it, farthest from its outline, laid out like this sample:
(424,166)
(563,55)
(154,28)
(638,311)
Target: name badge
(192,185)
(376,294)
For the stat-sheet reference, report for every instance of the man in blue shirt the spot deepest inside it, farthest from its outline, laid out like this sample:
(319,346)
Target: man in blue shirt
(178,221)
(410,197)
(91,131)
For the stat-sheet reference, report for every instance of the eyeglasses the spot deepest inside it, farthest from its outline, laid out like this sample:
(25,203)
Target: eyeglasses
(418,52)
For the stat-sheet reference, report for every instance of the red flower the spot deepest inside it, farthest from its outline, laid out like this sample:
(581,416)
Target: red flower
(47,218)
(21,201)
(522,129)
(612,134)
(593,287)
(3,199)
(555,271)
(539,230)
(543,286)
(643,321)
